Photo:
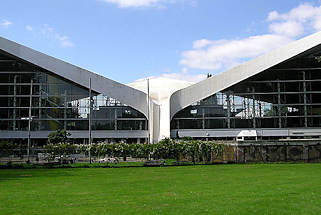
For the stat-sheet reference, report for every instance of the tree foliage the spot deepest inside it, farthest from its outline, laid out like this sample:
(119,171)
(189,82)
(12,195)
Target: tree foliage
(194,150)
(58,136)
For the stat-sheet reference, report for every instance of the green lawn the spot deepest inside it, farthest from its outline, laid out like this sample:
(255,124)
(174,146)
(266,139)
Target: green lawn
(218,189)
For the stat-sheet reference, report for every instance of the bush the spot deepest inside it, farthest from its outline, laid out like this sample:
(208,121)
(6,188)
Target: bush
(193,150)
(58,136)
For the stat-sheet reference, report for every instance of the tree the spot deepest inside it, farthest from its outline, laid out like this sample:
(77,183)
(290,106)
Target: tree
(7,148)
(58,136)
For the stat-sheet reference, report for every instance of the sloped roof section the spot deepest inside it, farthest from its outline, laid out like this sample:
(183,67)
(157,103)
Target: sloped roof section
(100,84)
(187,96)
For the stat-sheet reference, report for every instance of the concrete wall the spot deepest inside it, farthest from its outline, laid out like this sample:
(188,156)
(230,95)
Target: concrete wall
(255,152)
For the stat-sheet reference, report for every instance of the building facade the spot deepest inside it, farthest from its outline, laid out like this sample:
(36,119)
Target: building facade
(58,97)
(272,97)
(275,96)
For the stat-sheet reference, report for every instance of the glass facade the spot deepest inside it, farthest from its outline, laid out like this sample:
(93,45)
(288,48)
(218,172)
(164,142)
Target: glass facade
(56,103)
(287,95)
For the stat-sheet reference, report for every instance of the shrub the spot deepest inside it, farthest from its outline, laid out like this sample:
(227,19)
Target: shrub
(58,136)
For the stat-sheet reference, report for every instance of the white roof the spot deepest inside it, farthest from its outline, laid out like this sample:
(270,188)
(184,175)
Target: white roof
(160,88)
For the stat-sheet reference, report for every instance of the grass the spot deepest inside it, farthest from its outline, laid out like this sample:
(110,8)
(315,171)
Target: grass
(92,165)
(215,189)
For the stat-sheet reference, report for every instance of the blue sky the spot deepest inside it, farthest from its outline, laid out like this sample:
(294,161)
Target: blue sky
(126,40)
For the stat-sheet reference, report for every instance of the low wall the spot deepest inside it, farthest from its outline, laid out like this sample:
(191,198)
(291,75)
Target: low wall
(266,151)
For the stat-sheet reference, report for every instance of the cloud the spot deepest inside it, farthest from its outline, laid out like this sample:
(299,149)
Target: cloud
(46,30)
(227,53)
(50,33)
(288,28)
(148,3)
(5,23)
(201,43)
(304,12)
(64,41)
(29,28)
(283,28)
(184,75)
(304,18)
(135,3)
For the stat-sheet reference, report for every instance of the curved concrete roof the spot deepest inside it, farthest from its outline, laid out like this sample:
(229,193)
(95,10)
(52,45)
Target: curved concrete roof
(187,96)
(160,88)
(100,84)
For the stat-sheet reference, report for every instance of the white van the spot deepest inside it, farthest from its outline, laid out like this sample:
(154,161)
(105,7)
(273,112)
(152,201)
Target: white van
(246,135)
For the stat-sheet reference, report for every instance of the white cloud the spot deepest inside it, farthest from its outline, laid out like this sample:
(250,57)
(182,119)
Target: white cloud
(227,53)
(289,28)
(148,3)
(304,18)
(29,28)
(64,41)
(201,43)
(317,23)
(5,23)
(284,28)
(50,33)
(135,3)
(184,75)
(302,13)
(273,16)
(46,30)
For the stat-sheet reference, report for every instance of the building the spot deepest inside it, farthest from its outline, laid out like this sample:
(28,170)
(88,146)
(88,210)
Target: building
(58,95)
(277,95)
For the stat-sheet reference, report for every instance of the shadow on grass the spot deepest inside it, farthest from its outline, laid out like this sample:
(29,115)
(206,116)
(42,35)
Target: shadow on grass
(17,174)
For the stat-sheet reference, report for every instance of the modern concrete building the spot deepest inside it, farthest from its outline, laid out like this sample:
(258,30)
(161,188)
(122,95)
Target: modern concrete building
(277,95)
(58,95)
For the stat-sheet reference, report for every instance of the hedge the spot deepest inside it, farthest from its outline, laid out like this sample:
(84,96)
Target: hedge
(194,150)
